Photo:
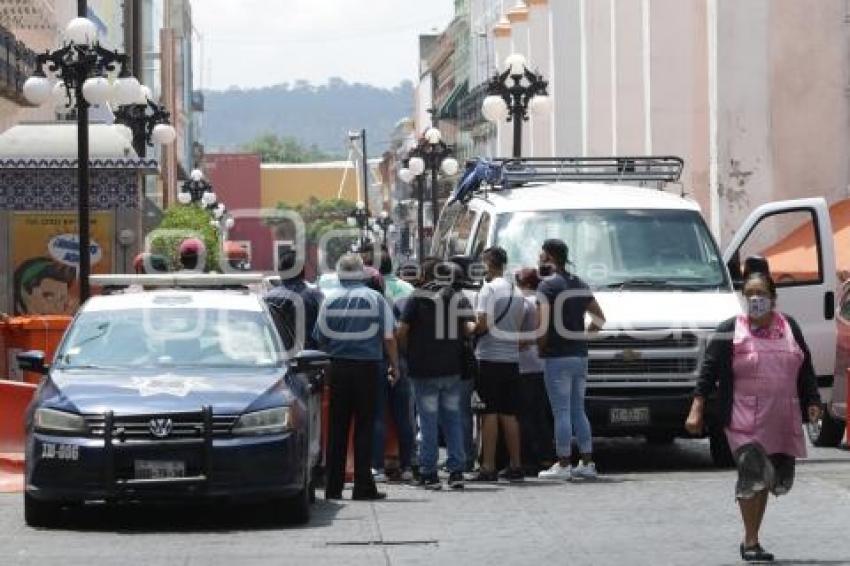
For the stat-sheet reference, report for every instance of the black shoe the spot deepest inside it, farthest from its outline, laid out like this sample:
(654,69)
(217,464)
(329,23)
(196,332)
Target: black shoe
(332,496)
(484,476)
(755,553)
(369,496)
(456,480)
(431,482)
(515,475)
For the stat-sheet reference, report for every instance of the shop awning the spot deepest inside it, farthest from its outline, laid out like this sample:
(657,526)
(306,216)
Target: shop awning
(450,108)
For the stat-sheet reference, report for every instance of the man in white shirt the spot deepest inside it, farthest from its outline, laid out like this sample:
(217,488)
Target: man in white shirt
(498,319)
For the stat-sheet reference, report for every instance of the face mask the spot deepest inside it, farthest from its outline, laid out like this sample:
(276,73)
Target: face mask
(758,306)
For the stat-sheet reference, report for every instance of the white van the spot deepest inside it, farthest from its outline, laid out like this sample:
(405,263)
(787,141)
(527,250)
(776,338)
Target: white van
(655,269)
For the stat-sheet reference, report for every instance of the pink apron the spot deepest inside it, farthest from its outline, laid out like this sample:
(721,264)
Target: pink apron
(765,403)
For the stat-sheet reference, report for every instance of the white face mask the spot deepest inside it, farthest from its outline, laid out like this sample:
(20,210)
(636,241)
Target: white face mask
(758,306)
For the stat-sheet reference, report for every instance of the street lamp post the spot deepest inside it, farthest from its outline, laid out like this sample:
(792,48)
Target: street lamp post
(360,218)
(431,154)
(81,67)
(384,223)
(512,93)
(199,191)
(146,127)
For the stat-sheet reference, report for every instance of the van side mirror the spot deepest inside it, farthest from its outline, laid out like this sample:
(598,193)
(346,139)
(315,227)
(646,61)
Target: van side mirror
(32,360)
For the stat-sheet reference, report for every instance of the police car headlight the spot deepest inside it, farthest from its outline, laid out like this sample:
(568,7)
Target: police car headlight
(50,420)
(268,421)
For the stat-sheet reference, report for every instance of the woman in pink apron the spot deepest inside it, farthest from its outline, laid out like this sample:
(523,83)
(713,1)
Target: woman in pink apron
(761,368)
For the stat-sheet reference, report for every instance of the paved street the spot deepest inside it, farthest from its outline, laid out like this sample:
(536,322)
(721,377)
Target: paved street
(655,505)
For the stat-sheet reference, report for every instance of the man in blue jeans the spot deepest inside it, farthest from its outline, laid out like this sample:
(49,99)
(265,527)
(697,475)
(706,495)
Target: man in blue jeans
(563,301)
(433,323)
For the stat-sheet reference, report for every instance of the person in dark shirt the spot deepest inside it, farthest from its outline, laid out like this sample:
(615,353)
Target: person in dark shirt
(294,306)
(433,324)
(563,301)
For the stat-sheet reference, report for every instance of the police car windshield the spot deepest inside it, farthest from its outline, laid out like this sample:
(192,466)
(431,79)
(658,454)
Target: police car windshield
(660,249)
(163,337)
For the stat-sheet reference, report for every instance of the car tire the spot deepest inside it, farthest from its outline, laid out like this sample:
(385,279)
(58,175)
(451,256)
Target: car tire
(660,438)
(829,432)
(41,513)
(721,454)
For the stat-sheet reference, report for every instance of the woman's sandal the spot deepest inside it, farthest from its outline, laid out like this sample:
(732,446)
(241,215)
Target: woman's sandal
(755,553)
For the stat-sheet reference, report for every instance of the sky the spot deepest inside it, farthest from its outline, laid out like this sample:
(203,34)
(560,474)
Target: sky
(253,43)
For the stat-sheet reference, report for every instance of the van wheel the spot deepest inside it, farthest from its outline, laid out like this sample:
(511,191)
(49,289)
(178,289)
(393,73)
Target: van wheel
(41,513)
(721,455)
(828,433)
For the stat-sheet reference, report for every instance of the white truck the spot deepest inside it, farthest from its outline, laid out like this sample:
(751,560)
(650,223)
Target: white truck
(655,269)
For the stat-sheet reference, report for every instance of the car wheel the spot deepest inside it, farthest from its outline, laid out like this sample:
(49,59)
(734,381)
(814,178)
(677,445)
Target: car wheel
(827,433)
(660,438)
(41,513)
(721,455)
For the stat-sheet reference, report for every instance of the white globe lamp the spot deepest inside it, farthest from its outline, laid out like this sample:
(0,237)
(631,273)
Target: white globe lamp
(163,134)
(516,63)
(416,165)
(540,105)
(183,197)
(229,223)
(96,90)
(433,136)
(81,31)
(196,175)
(406,175)
(450,166)
(127,90)
(37,90)
(494,108)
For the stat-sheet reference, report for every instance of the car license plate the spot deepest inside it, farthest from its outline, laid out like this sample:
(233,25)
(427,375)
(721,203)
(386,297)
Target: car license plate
(159,469)
(629,416)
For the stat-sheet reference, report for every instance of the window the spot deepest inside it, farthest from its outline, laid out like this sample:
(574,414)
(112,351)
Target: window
(479,244)
(788,241)
(462,232)
(444,228)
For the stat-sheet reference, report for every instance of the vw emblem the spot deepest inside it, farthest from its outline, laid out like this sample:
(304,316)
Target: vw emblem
(160,428)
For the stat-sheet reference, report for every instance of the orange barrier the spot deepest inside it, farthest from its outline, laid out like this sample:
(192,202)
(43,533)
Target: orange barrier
(37,332)
(14,399)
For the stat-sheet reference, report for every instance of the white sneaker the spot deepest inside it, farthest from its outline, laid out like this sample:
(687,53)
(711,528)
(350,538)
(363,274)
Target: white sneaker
(556,472)
(585,471)
(407,475)
(379,476)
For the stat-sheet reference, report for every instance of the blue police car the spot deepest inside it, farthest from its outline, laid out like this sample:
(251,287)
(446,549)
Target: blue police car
(173,392)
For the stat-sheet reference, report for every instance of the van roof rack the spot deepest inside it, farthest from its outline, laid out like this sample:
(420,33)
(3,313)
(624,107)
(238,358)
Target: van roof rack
(208,281)
(639,170)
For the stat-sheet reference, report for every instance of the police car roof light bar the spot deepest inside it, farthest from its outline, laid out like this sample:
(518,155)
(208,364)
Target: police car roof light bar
(178,280)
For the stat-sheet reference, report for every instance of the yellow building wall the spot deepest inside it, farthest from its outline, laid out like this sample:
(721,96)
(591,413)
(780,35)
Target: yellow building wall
(293,184)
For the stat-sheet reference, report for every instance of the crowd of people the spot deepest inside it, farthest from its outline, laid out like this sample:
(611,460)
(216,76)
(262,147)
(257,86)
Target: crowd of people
(498,380)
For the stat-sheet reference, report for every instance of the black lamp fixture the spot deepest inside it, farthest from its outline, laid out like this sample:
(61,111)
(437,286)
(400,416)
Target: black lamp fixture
(149,123)
(197,190)
(512,93)
(433,155)
(359,218)
(82,74)
(384,223)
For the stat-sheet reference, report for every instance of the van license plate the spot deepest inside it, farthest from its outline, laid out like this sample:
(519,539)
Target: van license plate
(159,469)
(633,416)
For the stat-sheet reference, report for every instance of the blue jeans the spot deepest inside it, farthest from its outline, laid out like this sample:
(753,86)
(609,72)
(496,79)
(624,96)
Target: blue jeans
(400,402)
(566,379)
(438,401)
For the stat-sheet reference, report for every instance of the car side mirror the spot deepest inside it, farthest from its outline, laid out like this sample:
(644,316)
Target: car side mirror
(311,361)
(32,360)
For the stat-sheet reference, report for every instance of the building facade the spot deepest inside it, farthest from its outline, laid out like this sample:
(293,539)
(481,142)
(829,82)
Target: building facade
(751,94)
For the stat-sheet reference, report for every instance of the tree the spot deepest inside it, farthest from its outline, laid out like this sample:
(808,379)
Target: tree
(178,223)
(285,149)
(319,217)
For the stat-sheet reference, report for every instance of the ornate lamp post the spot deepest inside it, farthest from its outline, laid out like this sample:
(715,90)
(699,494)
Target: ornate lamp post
(149,123)
(512,93)
(384,223)
(197,190)
(79,72)
(360,218)
(433,155)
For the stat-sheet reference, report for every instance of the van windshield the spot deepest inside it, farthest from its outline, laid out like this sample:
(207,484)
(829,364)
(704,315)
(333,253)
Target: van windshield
(625,249)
